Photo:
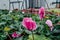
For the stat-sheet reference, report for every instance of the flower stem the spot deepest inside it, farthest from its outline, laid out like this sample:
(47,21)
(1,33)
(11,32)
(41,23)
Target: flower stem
(9,36)
(32,35)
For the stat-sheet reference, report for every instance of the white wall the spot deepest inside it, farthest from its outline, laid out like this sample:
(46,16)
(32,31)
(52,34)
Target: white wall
(50,5)
(4,4)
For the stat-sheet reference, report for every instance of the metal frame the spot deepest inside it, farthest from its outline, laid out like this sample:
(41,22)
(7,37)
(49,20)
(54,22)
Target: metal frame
(31,5)
(16,2)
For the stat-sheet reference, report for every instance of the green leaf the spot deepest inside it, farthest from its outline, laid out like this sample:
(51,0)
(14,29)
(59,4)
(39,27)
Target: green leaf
(38,37)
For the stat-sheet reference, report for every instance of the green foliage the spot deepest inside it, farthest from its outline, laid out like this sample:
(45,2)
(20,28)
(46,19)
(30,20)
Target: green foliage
(13,21)
(38,37)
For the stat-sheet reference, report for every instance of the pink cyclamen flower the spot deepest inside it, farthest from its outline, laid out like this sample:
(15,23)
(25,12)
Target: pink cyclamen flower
(14,35)
(42,13)
(29,24)
(49,23)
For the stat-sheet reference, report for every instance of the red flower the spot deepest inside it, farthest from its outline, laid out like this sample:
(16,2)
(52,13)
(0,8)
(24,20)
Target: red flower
(29,24)
(41,13)
(14,35)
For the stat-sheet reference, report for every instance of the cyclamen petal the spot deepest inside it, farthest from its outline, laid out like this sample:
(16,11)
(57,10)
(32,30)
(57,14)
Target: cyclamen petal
(24,21)
(41,13)
(29,24)
(49,23)
(14,35)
